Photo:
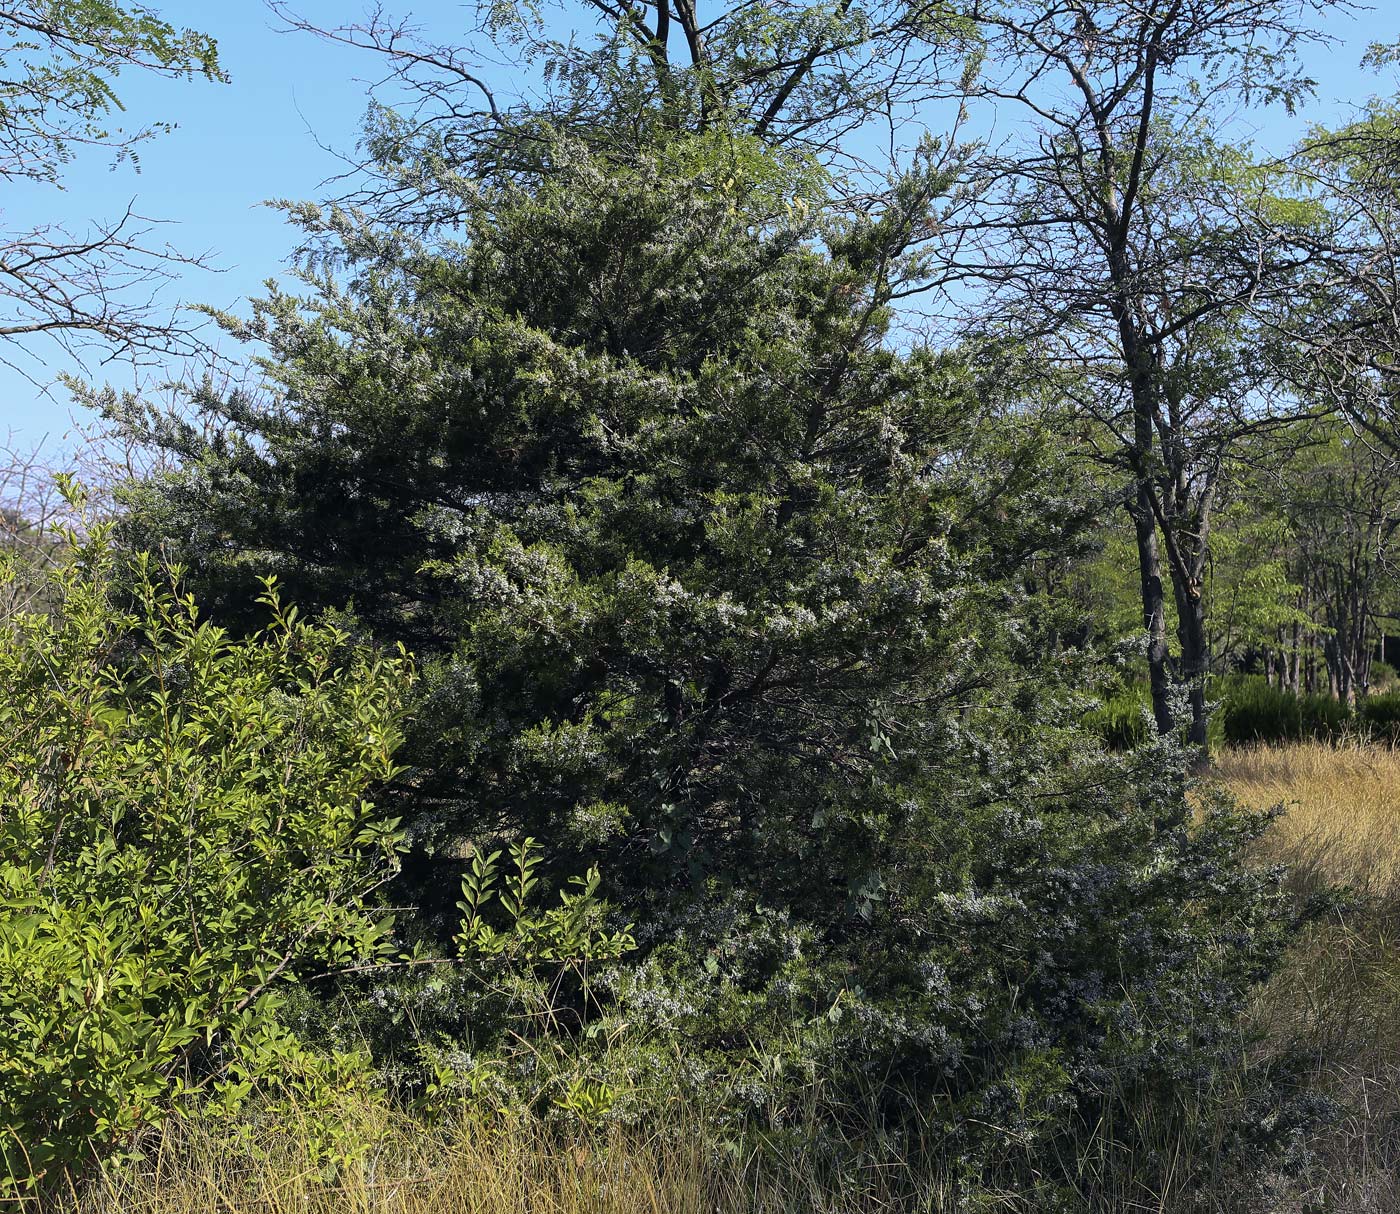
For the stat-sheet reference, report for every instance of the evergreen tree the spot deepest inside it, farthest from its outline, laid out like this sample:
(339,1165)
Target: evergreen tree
(716,584)
(636,463)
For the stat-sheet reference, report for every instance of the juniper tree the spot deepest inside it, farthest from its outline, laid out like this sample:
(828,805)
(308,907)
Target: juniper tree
(1121,228)
(715,583)
(637,462)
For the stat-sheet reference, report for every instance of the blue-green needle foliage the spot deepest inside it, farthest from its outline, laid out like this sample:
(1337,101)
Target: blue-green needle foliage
(184,828)
(715,580)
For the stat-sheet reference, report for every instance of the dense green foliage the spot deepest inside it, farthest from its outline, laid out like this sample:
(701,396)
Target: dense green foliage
(187,839)
(732,596)
(185,827)
(680,529)
(716,588)
(1250,711)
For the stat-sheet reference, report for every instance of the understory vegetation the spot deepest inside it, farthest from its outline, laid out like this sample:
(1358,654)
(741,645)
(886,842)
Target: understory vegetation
(1334,1008)
(1329,1019)
(687,671)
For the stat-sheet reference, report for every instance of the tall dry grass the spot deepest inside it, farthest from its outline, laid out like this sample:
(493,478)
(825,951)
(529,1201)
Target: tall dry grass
(475,1169)
(1334,1010)
(472,1166)
(1341,819)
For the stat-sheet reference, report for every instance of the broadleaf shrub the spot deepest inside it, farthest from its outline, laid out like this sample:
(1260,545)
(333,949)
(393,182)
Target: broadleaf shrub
(185,825)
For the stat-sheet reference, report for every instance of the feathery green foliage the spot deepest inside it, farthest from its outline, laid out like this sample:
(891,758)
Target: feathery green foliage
(716,587)
(60,60)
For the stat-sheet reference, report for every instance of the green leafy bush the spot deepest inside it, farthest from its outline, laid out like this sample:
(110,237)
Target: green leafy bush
(1379,715)
(509,1020)
(184,826)
(1123,720)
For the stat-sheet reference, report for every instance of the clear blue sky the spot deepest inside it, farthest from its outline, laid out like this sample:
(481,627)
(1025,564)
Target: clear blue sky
(236,145)
(258,138)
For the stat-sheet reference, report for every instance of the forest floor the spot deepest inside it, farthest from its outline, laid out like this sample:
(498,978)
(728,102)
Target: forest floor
(1332,1017)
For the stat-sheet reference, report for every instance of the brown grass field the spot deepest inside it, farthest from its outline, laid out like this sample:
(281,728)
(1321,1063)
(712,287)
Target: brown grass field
(1341,803)
(1336,1005)
(1332,1016)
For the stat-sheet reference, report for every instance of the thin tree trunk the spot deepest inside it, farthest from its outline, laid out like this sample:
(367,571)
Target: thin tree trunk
(1195,660)
(1293,660)
(1154,608)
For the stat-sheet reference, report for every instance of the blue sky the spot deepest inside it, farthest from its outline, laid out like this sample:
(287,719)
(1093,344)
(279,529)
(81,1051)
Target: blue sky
(261,137)
(236,145)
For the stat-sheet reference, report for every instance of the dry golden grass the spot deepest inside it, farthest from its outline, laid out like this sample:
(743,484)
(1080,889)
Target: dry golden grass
(405,1168)
(1341,803)
(1334,1010)
(468,1167)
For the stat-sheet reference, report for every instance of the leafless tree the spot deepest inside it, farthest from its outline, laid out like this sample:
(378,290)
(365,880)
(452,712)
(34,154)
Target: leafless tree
(92,291)
(95,456)
(30,507)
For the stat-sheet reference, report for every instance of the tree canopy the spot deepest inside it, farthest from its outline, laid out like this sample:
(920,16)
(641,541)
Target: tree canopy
(61,61)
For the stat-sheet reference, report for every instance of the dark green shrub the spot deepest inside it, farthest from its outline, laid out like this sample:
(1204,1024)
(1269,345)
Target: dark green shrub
(1379,716)
(1251,711)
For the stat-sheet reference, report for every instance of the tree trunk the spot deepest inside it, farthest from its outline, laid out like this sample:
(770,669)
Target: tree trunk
(1154,608)
(1195,661)
(1292,673)
(1334,655)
